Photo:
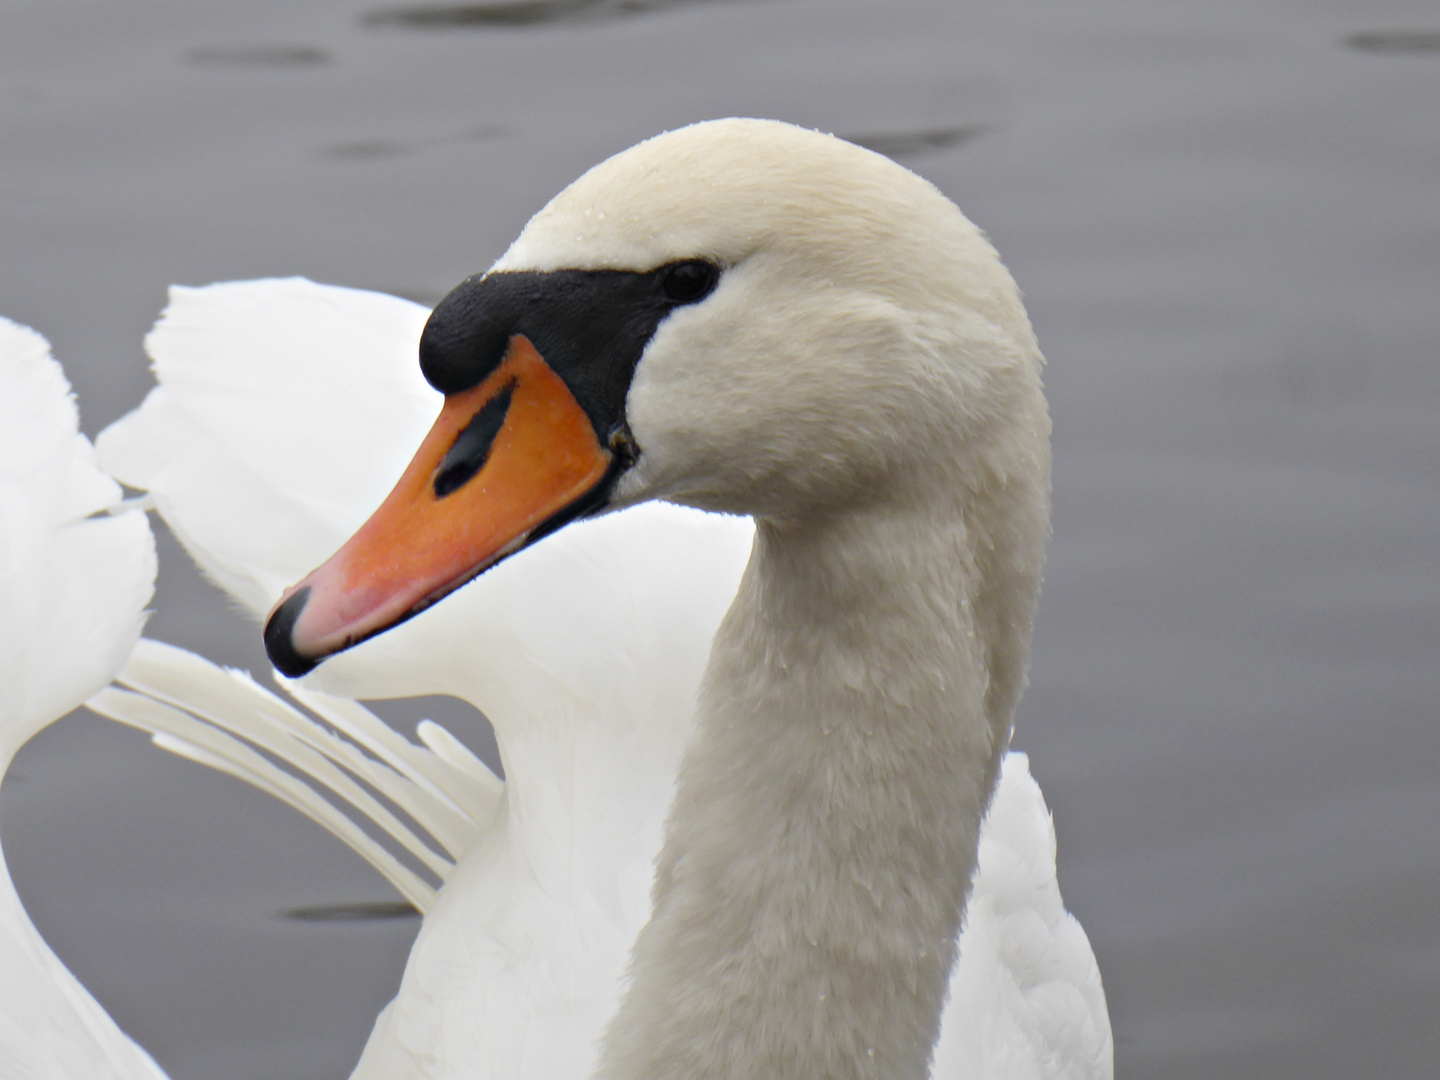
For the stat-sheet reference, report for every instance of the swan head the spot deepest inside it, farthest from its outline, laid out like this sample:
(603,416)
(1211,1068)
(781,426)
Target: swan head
(742,316)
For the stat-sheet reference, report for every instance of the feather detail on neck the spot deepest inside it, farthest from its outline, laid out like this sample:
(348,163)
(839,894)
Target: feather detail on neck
(823,838)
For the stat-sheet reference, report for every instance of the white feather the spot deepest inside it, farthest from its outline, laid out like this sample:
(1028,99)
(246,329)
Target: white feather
(72,591)
(1026,991)
(585,651)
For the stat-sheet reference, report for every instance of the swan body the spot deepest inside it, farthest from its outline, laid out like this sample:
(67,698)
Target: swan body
(522,957)
(73,587)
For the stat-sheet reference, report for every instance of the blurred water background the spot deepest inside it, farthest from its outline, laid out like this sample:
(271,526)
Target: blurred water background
(1226,219)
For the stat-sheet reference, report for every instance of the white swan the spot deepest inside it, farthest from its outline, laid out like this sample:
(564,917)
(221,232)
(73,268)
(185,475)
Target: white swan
(465,1014)
(752,319)
(72,591)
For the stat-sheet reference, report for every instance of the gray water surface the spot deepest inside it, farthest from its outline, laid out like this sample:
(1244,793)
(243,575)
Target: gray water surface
(1226,219)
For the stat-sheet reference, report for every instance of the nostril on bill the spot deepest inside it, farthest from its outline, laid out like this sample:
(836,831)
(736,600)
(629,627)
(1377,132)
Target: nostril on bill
(467,457)
(280,637)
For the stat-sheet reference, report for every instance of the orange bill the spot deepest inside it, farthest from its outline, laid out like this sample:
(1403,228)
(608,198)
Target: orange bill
(503,458)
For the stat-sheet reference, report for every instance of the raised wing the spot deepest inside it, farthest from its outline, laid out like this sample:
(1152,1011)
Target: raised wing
(313,753)
(73,587)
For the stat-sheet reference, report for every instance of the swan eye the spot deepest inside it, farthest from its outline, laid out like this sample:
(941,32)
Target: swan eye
(688,282)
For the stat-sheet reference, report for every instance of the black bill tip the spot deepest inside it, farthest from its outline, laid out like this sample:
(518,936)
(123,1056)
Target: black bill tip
(279,637)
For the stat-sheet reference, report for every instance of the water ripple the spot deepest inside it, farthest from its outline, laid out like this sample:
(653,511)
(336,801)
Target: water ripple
(357,911)
(387,148)
(1395,41)
(515,12)
(897,144)
(259,56)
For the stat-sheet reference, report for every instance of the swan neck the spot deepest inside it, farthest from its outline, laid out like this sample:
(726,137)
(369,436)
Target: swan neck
(820,847)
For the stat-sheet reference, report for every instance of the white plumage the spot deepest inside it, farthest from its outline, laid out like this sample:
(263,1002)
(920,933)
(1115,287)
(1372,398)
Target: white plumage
(585,651)
(72,590)
(285,411)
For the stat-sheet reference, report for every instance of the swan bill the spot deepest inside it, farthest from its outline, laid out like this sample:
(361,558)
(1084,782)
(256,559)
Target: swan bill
(507,461)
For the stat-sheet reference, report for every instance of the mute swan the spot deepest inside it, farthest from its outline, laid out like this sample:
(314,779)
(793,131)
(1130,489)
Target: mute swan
(584,651)
(865,381)
(753,319)
(73,587)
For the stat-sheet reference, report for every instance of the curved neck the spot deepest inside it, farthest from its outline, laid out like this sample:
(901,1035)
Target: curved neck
(819,851)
